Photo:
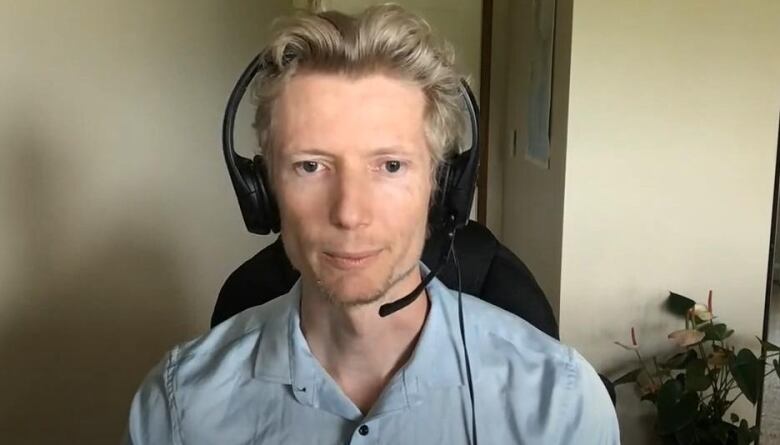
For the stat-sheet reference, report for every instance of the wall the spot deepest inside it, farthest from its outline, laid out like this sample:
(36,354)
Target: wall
(672,138)
(117,220)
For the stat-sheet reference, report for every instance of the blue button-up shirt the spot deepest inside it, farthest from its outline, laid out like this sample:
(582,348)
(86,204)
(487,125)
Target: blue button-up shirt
(253,380)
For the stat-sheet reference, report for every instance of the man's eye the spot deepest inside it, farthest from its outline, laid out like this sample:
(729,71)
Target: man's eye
(307,166)
(393,166)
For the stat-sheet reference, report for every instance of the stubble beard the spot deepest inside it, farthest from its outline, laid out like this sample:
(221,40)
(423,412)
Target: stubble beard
(392,280)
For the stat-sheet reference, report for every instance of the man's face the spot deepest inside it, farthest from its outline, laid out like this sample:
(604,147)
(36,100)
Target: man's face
(351,173)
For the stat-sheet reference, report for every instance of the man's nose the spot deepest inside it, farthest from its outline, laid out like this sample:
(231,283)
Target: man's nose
(352,200)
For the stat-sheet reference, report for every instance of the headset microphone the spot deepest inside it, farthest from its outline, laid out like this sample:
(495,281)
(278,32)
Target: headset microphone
(397,305)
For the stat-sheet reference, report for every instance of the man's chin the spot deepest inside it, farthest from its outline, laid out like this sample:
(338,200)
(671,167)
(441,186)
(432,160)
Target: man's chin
(359,289)
(352,294)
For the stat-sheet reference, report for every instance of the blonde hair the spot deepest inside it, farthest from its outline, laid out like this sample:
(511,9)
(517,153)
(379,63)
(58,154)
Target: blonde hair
(384,38)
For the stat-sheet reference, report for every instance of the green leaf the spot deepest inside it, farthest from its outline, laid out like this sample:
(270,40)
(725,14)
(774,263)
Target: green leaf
(671,415)
(686,436)
(680,360)
(768,346)
(678,304)
(748,372)
(696,378)
(719,433)
(714,331)
(628,377)
(745,434)
(669,394)
(755,433)
(679,415)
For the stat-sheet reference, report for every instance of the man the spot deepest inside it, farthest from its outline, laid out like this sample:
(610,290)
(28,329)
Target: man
(354,116)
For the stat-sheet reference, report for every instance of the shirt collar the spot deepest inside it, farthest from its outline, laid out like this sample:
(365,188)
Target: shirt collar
(438,358)
(283,355)
(272,357)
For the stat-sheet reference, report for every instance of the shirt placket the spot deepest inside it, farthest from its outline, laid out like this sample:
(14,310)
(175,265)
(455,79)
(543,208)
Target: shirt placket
(366,433)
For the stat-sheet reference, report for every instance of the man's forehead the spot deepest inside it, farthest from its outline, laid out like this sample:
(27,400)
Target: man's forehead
(371,114)
(312,89)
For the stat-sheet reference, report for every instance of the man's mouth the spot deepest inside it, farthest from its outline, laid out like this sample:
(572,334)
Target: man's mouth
(350,260)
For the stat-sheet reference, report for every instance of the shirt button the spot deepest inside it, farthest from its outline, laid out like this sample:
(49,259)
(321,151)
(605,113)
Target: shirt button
(363,430)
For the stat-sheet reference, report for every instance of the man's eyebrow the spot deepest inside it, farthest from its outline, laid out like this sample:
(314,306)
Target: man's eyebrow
(390,150)
(378,151)
(312,151)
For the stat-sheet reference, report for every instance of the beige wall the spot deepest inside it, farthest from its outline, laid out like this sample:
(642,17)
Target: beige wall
(117,220)
(670,165)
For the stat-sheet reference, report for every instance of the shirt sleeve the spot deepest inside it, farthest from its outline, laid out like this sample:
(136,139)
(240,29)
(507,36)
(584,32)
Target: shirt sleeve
(593,415)
(152,412)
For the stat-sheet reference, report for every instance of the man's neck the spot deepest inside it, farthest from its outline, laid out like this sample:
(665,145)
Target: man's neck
(358,348)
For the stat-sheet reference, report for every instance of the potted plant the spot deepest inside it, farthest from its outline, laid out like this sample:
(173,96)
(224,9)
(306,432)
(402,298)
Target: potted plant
(693,389)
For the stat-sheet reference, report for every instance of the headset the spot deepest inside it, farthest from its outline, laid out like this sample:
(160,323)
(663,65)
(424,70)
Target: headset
(456,177)
(450,209)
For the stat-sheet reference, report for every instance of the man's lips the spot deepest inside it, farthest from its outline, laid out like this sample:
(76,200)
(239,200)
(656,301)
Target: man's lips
(350,260)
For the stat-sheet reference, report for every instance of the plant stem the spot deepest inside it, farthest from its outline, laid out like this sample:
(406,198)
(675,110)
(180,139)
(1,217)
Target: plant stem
(644,365)
(728,405)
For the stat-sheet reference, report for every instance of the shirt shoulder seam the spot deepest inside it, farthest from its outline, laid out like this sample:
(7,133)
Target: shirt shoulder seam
(252,325)
(572,376)
(170,389)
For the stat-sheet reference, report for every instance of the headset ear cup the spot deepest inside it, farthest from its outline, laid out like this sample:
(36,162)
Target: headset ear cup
(266,201)
(246,186)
